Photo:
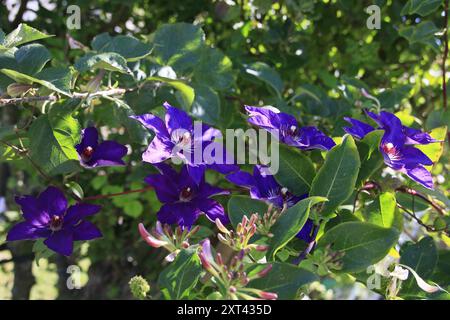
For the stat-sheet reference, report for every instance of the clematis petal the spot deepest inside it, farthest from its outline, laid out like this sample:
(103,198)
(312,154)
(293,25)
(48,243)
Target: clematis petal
(265,182)
(32,211)
(263,117)
(213,210)
(89,138)
(421,176)
(52,201)
(312,138)
(415,136)
(158,151)
(166,188)
(413,156)
(61,242)
(358,129)
(206,190)
(177,119)
(80,211)
(26,231)
(153,123)
(86,230)
(196,172)
(168,214)
(241,178)
(109,153)
(305,233)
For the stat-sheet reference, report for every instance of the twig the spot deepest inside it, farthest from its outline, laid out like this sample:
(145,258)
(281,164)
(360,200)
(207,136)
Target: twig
(423,224)
(81,95)
(104,196)
(423,197)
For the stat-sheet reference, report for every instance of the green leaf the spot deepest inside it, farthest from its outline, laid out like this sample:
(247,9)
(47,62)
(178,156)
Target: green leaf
(290,223)
(186,91)
(76,189)
(178,44)
(109,61)
(434,150)
(32,58)
(206,105)
(421,7)
(337,177)
(383,211)
(56,79)
(240,206)
(296,171)
(214,59)
(422,33)
(180,277)
(127,46)
(371,158)
(265,73)
(284,279)
(362,243)
(133,208)
(422,257)
(53,138)
(23,34)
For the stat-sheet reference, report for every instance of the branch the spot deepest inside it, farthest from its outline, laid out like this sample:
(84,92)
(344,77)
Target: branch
(423,224)
(413,192)
(104,196)
(80,95)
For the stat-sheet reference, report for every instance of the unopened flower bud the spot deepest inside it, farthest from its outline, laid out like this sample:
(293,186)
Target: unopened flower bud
(268,295)
(221,227)
(152,241)
(264,271)
(139,287)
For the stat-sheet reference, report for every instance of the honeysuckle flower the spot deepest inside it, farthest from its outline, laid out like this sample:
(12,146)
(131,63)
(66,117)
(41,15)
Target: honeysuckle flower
(183,199)
(177,137)
(285,127)
(263,186)
(94,154)
(397,145)
(47,216)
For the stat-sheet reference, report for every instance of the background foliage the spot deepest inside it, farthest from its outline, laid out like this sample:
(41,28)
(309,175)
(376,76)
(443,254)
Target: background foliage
(308,58)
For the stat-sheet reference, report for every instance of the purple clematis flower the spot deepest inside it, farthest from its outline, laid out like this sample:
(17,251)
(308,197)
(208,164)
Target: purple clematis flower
(183,199)
(47,216)
(397,145)
(285,127)
(177,137)
(263,186)
(93,154)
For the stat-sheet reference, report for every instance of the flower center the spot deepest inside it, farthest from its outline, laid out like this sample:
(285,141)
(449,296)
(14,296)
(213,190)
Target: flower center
(391,151)
(87,153)
(56,223)
(186,194)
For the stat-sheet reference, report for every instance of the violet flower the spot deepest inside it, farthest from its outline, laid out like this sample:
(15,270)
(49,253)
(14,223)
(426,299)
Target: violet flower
(285,127)
(183,199)
(93,154)
(396,145)
(177,137)
(263,186)
(47,216)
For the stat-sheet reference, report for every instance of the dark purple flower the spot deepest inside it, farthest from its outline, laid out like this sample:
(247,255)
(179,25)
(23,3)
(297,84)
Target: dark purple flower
(183,199)
(285,127)
(47,216)
(177,137)
(263,186)
(93,154)
(396,145)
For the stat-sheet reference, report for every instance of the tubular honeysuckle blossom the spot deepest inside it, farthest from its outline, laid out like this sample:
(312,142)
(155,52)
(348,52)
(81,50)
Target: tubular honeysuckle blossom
(177,137)
(263,186)
(183,199)
(93,154)
(47,216)
(285,127)
(397,145)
